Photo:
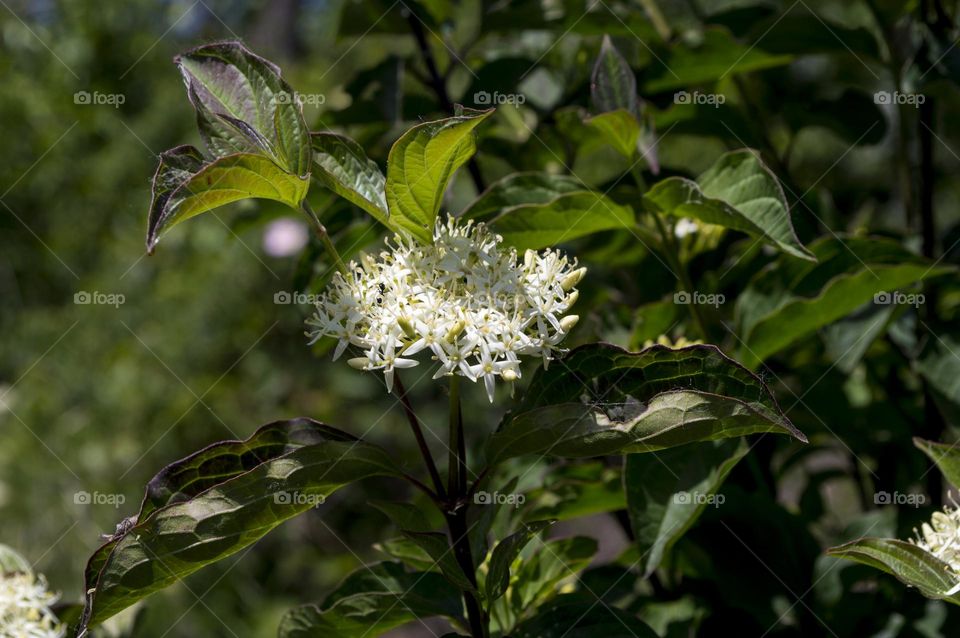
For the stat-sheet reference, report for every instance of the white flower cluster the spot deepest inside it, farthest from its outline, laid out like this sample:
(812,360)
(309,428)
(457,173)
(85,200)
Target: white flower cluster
(941,537)
(465,298)
(25,607)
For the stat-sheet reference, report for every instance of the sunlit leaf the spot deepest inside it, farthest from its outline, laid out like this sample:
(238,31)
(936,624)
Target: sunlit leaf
(737,192)
(563,218)
(244,105)
(343,167)
(520,188)
(420,166)
(184,187)
(183,536)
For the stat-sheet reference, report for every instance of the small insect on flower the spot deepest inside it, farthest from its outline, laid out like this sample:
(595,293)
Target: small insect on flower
(468,300)
(941,537)
(25,601)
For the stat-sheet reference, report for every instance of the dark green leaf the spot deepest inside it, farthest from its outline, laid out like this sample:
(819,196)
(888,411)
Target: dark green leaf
(520,188)
(792,299)
(576,618)
(668,490)
(372,601)
(181,537)
(244,105)
(343,167)
(564,218)
(437,545)
(620,128)
(737,192)
(945,456)
(543,568)
(717,56)
(506,551)
(421,164)
(910,564)
(601,399)
(613,85)
(180,194)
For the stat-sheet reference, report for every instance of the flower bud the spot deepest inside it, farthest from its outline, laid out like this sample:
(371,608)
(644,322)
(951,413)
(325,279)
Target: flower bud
(573,278)
(528,258)
(572,298)
(568,322)
(360,363)
(508,375)
(456,330)
(407,327)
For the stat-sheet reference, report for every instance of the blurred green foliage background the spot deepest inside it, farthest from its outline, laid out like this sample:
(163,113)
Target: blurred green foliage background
(97,398)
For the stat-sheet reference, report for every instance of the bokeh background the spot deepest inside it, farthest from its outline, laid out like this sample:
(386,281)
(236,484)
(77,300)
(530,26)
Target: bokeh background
(197,343)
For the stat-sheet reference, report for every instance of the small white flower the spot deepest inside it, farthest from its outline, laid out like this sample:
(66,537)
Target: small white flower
(466,299)
(941,537)
(25,607)
(684,227)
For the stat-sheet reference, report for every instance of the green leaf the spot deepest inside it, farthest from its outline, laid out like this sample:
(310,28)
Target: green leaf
(342,166)
(572,617)
(181,537)
(437,546)
(792,299)
(219,462)
(563,218)
(372,601)
(184,187)
(244,105)
(408,552)
(601,399)
(506,551)
(715,57)
(416,530)
(910,564)
(620,128)
(668,490)
(612,84)
(421,164)
(939,364)
(520,188)
(544,566)
(945,456)
(737,192)
(574,490)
